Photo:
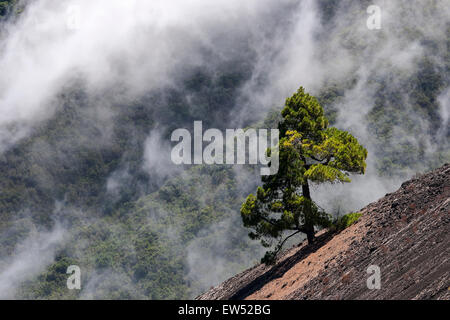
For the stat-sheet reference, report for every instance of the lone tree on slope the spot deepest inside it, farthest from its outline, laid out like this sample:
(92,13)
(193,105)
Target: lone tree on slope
(309,151)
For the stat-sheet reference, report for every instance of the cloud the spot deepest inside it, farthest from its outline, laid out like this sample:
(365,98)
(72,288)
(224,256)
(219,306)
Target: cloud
(30,258)
(157,159)
(132,47)
(214,255)
(120,50)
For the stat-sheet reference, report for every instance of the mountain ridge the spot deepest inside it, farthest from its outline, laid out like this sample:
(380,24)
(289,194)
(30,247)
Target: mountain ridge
(405,233)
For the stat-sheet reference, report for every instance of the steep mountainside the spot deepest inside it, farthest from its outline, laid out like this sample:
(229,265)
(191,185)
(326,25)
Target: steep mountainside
(406,234)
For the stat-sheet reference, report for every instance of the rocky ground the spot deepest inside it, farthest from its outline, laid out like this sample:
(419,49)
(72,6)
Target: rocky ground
(406,234)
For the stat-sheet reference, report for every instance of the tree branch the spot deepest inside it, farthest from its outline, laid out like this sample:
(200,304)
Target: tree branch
(285,239)
(269,221)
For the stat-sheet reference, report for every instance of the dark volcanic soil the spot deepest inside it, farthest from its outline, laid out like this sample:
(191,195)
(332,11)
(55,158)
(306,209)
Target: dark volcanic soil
(406,234)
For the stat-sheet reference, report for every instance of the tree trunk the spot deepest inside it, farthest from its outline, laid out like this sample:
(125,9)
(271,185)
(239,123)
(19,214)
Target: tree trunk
(309,225)
(305,190)
(310,235)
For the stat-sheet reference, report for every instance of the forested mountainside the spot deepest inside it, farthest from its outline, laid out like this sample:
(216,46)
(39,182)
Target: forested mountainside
(7,7)
(87,179)
(405,234)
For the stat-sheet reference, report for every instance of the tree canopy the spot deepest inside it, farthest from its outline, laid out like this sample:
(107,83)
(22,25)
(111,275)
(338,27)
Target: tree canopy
(309,152)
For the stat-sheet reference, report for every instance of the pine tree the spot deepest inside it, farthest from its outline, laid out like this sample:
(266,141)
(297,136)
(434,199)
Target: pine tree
(309,152)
